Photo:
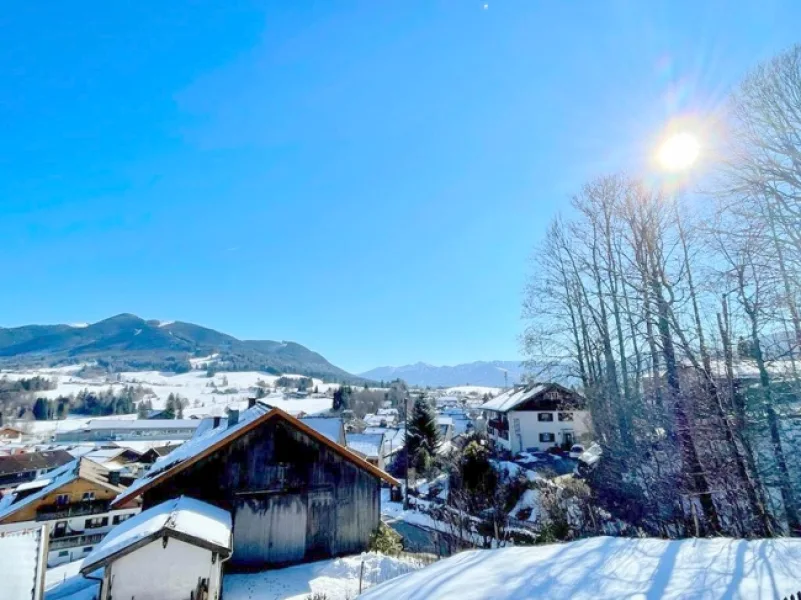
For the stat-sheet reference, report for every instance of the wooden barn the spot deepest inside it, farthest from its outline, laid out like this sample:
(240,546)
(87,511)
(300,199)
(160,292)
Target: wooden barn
(294,493)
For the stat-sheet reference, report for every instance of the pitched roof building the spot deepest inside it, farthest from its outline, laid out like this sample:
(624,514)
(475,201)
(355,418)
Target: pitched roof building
(295,493)
(19,468)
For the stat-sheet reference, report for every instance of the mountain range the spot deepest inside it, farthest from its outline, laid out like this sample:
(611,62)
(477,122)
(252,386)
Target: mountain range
(126,342)
(496,373)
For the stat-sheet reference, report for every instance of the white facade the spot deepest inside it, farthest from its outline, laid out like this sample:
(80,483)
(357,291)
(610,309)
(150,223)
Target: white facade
(157,571)
(540,430)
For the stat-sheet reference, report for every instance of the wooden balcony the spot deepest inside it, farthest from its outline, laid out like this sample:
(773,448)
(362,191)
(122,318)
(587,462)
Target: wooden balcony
(71,541)
(78,509)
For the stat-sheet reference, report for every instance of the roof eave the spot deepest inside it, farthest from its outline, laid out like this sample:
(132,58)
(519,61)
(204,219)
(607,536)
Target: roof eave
(224,551)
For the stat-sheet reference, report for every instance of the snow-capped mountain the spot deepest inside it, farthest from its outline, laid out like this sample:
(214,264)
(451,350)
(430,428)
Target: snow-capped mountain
(496,373)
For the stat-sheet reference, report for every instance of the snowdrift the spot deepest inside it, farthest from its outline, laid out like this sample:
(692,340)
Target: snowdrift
(606,568)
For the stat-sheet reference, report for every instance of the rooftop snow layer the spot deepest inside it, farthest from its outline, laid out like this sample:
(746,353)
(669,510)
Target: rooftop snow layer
(96,425)
(606,568)
(21,569)
(188,516)
(205,437)
(512,398)
(368,444)
(55,479)
(330,427)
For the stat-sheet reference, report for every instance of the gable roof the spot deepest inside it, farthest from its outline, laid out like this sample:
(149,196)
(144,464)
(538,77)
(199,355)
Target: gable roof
(33,461)
(368,444)
(183,518)
(517,396)
(23,568)
(211,439)
(58,478)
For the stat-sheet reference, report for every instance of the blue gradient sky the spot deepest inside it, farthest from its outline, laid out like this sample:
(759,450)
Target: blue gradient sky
(365,178)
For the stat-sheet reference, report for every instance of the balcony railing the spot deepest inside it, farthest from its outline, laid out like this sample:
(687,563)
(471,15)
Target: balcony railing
(71,541)
(501,433)
(79,509)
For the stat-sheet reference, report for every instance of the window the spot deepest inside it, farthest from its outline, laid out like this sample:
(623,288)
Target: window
(565,416)
(63,553)
(547,437)
(552,395)
(545,416)
(96,522)
(88,496)
(120,518)
(88,548)
(62,499)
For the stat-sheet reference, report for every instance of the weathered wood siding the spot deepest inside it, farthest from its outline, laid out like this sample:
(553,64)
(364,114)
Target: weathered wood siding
(292,498)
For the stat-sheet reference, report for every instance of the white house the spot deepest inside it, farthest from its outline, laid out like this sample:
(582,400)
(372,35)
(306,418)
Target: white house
(536,417)
(173,551)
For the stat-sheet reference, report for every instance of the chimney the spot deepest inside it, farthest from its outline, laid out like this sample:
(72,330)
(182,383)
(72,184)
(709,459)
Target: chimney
(233,417)
(216,422)
(251,402)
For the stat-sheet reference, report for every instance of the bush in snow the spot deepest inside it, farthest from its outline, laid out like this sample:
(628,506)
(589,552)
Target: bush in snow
(386,541)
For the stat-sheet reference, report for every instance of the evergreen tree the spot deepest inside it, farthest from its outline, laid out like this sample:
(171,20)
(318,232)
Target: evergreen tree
(423,435)
(169,408)
(41,409)
(141,410)
(342,398)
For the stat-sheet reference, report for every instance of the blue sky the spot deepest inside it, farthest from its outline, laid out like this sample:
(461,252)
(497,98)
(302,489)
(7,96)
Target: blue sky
(366,178)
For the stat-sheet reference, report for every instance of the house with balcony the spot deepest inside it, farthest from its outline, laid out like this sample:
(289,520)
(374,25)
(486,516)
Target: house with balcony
(536,417)
(74,501)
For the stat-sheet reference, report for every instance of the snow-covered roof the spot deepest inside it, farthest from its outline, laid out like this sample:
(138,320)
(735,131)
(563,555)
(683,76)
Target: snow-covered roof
(330,427)
(192,520)
(99,425)
(512,398)
(208,438)
(23,567)
(606,568)
(444,420)
(57,478)
(368,444)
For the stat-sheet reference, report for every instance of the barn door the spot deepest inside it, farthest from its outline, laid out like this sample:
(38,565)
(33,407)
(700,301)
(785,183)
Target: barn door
(269,529)
(320,529)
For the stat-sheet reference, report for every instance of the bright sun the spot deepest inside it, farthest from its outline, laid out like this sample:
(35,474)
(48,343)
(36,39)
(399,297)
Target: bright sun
(679,152)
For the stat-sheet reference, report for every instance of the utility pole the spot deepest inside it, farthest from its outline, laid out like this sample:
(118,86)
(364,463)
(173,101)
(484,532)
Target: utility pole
(406,449)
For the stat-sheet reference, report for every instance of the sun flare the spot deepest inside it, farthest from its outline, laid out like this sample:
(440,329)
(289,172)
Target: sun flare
(679,151)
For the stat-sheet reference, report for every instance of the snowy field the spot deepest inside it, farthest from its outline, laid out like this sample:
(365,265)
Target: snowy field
(606,568)
(338,579)
(472,390)
(206,395)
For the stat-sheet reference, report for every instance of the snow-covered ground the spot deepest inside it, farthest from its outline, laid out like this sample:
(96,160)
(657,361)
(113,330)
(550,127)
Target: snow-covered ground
(472,390)
(206,395)
(606,568)
(338,579)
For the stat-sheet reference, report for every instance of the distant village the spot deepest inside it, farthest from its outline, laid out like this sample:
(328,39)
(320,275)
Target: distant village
(263,478)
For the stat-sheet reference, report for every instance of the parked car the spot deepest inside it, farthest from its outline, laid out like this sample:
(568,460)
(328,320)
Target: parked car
(576,451)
